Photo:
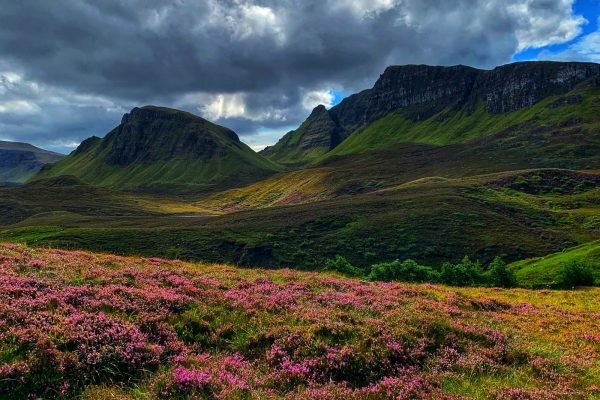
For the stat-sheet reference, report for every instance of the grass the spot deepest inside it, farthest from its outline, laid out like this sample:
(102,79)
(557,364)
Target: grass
(102,326)
(462,126)
(429,220)
(171,169)
(543,271)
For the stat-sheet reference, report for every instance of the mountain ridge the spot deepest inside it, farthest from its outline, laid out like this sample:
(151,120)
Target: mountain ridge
(422,91)
(163,149)
(19,161)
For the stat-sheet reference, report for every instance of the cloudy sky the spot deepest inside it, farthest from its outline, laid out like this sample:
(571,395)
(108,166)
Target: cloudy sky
(69,69)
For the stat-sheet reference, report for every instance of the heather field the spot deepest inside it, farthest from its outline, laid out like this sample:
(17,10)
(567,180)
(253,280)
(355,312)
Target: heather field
(83,325)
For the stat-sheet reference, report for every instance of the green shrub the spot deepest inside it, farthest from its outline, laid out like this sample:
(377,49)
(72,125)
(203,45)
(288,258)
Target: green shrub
(343,266)
(500,275)
(465,273)
(406,271)
(575,273)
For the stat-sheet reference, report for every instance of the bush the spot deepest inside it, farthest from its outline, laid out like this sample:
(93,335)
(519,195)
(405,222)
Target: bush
(407,271)
(575,273)
(343,266)
(465,273)
(500,275)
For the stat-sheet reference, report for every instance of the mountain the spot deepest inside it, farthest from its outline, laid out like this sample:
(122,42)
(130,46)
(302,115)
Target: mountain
(442,105)
(316,136)
(159,149)
(20,161)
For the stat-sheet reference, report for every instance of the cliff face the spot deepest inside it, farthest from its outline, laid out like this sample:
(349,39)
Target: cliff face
(151,134)
(424,90)
(421,91)
(318,134)
(164,150)
(516,86)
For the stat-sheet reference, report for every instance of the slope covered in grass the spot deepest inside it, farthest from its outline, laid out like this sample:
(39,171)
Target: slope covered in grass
(157,149)
(512,215)
(83,325)
(543,271)
(580,106)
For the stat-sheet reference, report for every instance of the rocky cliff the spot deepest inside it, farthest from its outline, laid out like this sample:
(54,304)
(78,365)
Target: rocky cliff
(317,135)
(163,149)
(150,134)
(422,91)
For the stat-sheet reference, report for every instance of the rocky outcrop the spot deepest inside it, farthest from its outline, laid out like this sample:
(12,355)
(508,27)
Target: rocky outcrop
(319,132)
(163,150)
(151,134)
(422,91)
(515,86)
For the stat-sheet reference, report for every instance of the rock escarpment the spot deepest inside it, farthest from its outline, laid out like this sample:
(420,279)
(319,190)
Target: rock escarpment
(164,150)
(422,91)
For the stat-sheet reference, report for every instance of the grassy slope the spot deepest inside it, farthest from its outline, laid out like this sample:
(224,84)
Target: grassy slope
(55,196)
(462,126)
(280,334)
(431,220)
(542,271)
(240,165)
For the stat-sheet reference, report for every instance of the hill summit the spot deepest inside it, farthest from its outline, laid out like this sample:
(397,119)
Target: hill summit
(163,149)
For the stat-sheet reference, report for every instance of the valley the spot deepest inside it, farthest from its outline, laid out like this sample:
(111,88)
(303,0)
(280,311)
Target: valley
(427,178)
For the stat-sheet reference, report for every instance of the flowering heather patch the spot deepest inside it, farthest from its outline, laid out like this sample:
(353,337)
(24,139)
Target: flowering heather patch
(77,324)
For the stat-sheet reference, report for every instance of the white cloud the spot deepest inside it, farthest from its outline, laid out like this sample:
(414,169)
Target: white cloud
(19,107)
(538,26)
(364,8)
(586,48)
(224,106)
(313,98)
(252,20)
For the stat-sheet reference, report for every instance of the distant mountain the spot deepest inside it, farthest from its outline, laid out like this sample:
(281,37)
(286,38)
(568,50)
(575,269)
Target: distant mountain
(439,105)
(160,149)
(20,161)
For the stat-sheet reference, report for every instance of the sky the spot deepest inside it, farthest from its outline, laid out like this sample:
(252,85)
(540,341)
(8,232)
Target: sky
(71,69)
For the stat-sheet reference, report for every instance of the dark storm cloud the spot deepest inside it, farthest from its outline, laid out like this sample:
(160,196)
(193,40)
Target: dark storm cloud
(248,62)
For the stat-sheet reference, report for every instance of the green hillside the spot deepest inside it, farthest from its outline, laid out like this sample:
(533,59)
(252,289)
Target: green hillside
(578,107)
(543,271)
(513,215)
(164,150)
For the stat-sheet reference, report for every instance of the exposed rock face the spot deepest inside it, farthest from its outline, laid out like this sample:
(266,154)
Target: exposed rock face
(425,89)
(422,91)
(15,158)
(319,130)
(150,134)
(163,150)
(516,86)
(19,161)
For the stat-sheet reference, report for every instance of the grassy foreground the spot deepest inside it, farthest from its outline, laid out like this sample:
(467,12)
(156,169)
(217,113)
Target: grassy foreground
(78,324)
(543,271)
